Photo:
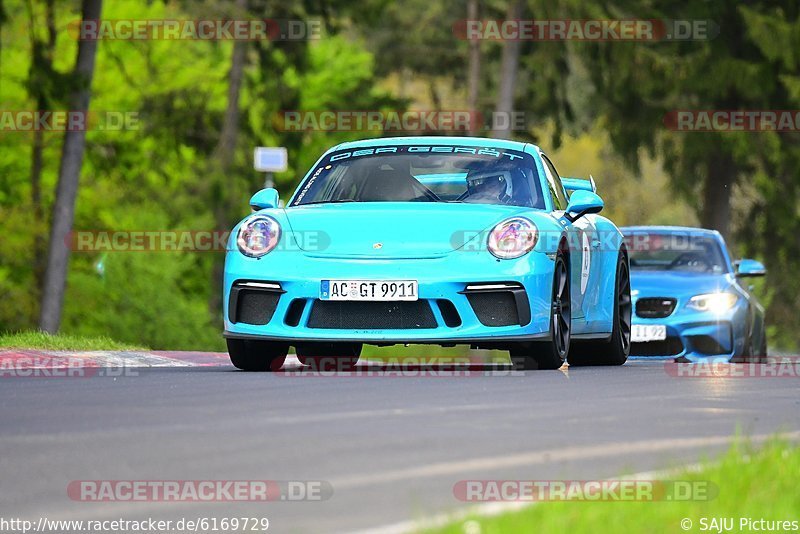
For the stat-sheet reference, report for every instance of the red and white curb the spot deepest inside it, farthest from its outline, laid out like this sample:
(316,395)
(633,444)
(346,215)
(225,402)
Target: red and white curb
(53,359)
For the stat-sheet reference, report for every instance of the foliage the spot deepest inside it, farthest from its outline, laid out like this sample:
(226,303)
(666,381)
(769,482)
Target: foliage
(752,483)
(43,341)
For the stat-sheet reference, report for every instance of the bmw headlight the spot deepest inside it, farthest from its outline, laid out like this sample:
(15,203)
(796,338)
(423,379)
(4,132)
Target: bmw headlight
(512,238)
(713,302)
(258,235)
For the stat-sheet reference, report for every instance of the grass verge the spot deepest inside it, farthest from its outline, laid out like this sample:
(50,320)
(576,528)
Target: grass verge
(43,341)
(752,484)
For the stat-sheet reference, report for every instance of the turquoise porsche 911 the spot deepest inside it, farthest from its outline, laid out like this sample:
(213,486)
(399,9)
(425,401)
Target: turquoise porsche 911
(429,240)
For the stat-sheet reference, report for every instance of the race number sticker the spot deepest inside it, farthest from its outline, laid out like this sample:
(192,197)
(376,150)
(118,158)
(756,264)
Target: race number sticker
(586,264)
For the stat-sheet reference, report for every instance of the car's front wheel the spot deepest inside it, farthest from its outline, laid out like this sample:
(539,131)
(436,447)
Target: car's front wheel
(255,355)
(329,356)
(615,350)
(550,354)
(749,354)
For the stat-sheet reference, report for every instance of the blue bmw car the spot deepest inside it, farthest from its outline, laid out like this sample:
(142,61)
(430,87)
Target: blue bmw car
(691,301)
(429,240)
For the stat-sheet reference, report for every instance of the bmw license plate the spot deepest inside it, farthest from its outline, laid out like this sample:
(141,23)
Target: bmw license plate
(368,290)
(642,333)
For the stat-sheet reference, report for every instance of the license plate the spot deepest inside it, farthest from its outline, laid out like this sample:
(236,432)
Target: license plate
(368,290)
(642,333)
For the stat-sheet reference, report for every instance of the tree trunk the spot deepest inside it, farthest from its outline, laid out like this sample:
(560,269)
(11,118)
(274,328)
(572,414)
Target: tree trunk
(224,156)
(474,75)
(508,78)
(68,176)
(716,209)
(42,66)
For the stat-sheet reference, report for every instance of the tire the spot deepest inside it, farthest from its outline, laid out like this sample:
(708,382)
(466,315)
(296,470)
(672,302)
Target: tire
(541,355)
(329,356)
(616,349)
(749,355)
(254,355)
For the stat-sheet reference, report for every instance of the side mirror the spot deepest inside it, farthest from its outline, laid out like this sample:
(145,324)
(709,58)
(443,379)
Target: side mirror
(750,268)
(581,203)
(266,198)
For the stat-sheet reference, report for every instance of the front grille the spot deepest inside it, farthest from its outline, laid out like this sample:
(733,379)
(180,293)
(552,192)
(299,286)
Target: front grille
(655,308)
(346,315)
(494,308)
(671,346)
(255,307)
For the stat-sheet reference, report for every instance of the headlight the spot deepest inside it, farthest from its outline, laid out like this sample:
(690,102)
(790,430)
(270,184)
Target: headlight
(258,235)
(713,302)
(512,238)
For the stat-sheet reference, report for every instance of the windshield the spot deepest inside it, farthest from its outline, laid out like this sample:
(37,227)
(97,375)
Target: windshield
(686,252)
(424,174)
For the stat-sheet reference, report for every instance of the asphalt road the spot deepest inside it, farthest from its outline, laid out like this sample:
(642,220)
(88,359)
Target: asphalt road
(391,447)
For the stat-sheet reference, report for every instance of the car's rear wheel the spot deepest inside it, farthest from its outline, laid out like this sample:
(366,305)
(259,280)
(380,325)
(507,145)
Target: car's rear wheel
(616,349)
(254,355)
(550,354)
(329,356)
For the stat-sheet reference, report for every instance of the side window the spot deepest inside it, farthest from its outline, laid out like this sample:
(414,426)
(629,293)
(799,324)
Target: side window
(554,183)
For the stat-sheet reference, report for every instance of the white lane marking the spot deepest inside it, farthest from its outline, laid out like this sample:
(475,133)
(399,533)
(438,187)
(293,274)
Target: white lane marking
(113,510)
(388,412)
(491,509)
(603,450)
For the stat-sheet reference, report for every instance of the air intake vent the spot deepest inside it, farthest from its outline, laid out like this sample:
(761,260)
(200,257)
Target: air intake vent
(655,308)
(344,315)
(494,308)
(253,302)
(295,312)
(449,313)
(256,307)
(671,346)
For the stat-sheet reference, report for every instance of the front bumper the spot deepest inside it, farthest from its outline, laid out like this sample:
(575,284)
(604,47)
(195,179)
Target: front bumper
(446,313)
(697,336)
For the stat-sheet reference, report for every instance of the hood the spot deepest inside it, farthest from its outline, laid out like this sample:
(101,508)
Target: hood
(391,229)
(678,284)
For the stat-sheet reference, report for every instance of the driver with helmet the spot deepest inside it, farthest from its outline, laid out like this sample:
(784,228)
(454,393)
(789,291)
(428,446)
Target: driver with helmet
(493,188)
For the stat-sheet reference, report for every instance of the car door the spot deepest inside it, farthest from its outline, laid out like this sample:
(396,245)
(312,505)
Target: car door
(581,236)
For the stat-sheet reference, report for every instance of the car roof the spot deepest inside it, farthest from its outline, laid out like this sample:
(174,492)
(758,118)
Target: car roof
(438,140)
(669,230)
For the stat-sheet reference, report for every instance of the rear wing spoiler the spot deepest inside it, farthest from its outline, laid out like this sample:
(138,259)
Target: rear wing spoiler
(579,184)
